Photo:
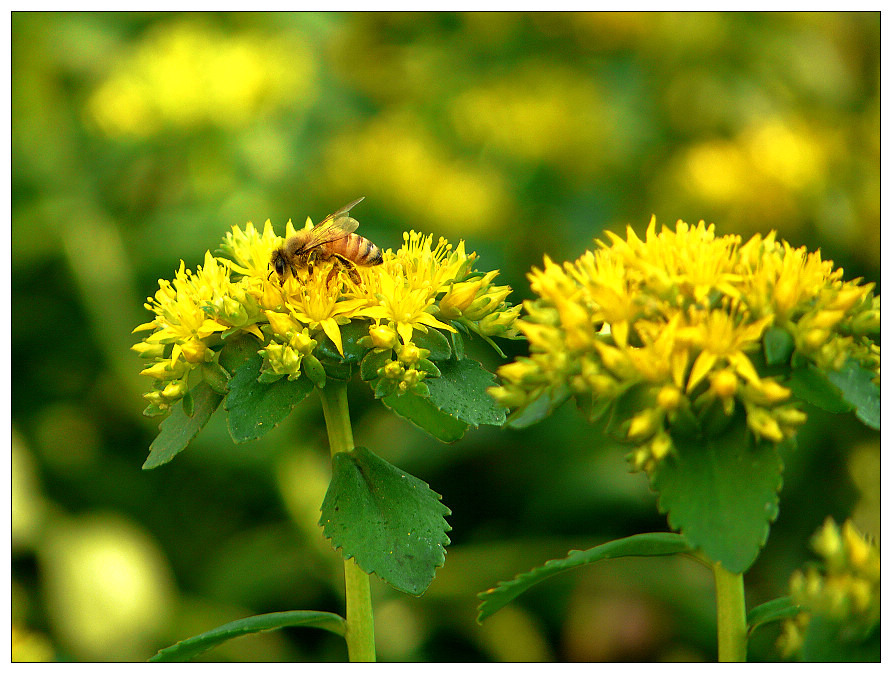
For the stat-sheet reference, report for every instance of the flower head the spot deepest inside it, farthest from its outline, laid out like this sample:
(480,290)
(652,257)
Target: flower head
(682,317)
(844,589)
(321,316)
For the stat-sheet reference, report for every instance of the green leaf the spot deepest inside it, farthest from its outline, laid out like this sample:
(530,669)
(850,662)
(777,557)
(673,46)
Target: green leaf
(391,523)
(640,545)
(771,611)
(460,392)
(189,648)
(236,351)
(423,413)
(457,400)
(778,345)
(810,384)
(254,407)
(721,492)
(313,369)
(435,342)
(373,361)
(189,403)
(541,407)
(216,376)
(178,429)
(859,391)
(458,343)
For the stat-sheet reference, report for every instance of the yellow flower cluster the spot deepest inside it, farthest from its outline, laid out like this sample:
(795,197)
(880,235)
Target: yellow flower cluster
(677,322)
(188,74)
(846,589)
(300,323)
(192,315)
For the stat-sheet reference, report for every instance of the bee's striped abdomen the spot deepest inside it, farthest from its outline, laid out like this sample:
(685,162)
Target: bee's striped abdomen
(357,249)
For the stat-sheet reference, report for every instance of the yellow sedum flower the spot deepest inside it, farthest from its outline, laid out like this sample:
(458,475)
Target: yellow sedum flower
(299,324)
(680,318)
(844,589)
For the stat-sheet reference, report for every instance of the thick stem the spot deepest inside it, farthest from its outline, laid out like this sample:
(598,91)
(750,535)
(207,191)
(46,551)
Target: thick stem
(730,613)
(360,620)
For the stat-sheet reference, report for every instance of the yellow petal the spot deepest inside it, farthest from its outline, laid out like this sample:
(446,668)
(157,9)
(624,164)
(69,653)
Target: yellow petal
(144,326)
(405,332)
(330,327)
(702,366)
(744,367)
(254,330)
(429,320)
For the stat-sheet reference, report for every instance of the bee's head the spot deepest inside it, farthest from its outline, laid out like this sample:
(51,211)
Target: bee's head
(277,262)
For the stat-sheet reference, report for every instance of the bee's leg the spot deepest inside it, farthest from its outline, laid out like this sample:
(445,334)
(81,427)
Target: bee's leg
(354,275)
(339,264)
(332,274)
(336,265)
(350,268)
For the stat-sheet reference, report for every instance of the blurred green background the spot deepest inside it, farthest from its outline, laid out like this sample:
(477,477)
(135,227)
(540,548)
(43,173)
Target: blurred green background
(139,139)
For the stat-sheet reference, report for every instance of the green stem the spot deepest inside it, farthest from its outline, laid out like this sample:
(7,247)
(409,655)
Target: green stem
(730,613)
(360,620)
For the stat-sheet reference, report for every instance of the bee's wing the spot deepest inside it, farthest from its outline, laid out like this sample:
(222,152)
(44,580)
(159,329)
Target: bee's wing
(345,209)
(335,226)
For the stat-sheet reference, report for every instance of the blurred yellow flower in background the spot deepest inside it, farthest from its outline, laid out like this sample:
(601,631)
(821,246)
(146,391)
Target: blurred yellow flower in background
(426,181)
(844,589)
(189,74)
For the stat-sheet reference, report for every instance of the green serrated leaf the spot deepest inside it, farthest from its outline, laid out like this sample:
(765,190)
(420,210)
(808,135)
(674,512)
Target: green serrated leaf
(216,376)
(460,392)
(541,407)
(771,611)
(435,342)
(386,387)
(373,361)
(640,545)
(859,391)
(255,407)
(189,403)
(237,350)
(189,648)
(178,429)
(390,522)
(268,377)
(778,345)
(455,400)
(427,366)
(337,370)
(812,385)
(423,413)
(721,492)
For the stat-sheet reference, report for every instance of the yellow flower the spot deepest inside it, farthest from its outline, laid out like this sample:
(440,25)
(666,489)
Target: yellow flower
(249,250)
(320,305)
(682,316)
(721,337)
(404,293)
(197,312)
(405,308)
(845,590)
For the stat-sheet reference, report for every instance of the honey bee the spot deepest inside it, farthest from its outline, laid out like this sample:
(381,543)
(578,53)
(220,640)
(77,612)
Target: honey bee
(332,239)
